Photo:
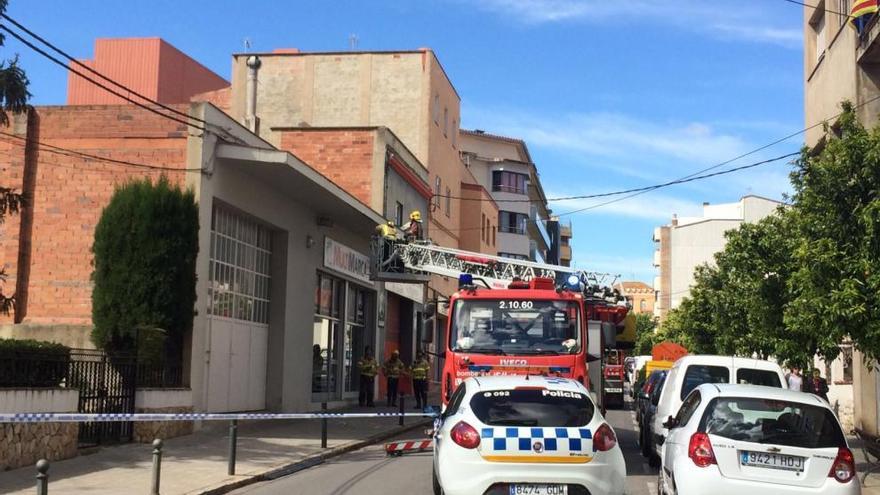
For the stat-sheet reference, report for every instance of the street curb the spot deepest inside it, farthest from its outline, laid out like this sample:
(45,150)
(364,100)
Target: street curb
(314,460)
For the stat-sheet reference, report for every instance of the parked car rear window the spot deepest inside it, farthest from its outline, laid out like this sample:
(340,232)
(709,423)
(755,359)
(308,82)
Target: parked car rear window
(532,408)
(698,374)
(773,422)
(750,376)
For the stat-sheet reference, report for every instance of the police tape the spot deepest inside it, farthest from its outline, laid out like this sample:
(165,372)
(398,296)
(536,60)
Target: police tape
(136,417)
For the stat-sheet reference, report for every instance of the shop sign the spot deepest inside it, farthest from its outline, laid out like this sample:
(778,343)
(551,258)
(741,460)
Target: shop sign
(413,292)
(345,260)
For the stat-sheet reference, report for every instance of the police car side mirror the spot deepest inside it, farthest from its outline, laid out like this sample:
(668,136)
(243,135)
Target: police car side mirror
(670,423)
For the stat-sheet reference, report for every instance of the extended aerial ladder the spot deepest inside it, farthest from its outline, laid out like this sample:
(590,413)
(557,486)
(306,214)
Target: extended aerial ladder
(417,261)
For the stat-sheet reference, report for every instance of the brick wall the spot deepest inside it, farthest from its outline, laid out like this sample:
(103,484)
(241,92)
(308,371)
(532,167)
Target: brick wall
(344,156)
(69,194)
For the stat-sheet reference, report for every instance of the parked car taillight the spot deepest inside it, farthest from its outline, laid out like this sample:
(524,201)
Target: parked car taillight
(700,450)
(604,439)
(844,467)
(465,435)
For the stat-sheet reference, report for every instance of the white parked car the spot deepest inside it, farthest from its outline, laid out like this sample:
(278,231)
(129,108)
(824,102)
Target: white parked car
(525,435)
(689,372)
(736,439)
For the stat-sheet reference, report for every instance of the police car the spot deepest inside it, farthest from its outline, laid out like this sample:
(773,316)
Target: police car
(525,435)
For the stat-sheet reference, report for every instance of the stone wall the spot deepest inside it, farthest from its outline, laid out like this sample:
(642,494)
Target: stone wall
(162,401)
(24,444)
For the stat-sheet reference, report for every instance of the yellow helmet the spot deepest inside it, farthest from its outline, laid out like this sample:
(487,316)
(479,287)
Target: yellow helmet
(416,215)
(390,222)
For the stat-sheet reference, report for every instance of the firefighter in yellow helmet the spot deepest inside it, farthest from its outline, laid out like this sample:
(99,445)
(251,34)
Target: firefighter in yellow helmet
(369,368)
(392,368)
(418,370)
(412,231)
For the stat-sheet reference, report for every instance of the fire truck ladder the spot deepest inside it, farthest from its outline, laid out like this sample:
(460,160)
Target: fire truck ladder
(406,261)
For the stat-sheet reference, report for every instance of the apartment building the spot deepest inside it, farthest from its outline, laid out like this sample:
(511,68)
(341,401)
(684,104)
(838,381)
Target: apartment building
(565,244)
(504,167)
(688,242)
(842,62)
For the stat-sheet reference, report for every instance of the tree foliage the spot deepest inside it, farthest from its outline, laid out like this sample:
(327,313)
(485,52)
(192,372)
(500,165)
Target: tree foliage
(145,248)
(800,281)
(13,99)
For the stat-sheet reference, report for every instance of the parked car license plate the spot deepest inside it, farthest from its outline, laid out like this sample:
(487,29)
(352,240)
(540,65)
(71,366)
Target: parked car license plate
(538,489)
(771,461)
(614,390)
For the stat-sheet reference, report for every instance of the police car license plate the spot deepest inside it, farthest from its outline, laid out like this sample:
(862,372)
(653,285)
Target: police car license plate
(771,461)
(538,489)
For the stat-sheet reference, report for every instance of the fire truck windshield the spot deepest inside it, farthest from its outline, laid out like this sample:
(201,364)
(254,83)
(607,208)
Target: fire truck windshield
(515,327)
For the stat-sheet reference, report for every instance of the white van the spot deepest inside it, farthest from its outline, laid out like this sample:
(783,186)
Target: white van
(689,372)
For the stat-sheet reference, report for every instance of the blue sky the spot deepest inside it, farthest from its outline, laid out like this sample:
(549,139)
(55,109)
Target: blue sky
(608,95)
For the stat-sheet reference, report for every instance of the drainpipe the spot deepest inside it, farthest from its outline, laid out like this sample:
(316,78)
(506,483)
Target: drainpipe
(251,121)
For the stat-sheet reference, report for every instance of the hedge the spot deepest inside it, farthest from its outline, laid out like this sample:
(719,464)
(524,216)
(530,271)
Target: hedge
(31,363)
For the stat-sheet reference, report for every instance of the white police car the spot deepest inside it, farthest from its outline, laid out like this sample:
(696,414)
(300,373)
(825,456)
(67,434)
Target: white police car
(525,435)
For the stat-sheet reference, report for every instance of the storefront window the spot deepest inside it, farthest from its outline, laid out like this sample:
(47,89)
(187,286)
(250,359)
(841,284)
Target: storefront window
(341,331)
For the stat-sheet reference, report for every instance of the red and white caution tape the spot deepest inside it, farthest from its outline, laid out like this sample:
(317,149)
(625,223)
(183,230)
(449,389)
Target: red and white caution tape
(123,417)
(404,446)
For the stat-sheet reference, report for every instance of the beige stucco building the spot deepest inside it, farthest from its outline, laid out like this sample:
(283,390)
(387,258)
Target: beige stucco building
(504,167)
(688,242)
(842,64)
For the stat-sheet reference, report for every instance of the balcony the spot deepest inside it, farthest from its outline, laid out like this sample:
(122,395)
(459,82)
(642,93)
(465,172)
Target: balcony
(657,233)
(656,258)
(868,51)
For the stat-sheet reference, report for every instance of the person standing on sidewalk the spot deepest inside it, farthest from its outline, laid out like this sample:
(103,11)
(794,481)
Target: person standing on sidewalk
(795,381)
(368,368)
(817,385)
(392,369)
(419,371)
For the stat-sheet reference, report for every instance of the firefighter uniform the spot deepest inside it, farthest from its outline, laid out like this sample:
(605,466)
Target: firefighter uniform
(419,372)
(368,368)
(392,370)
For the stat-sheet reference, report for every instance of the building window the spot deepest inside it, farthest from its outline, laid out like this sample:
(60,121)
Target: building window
(511,222)
(483,228)
(437,192)
(511,182)
(239,267)
(454,132)
(448,201)
(492,229)
(819,31)
(340,334)
(643,305)
(446,122)
(398,213)
(437,109)
(843,10)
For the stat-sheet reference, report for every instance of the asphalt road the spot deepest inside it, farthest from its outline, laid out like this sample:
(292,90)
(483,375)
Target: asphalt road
(370,472)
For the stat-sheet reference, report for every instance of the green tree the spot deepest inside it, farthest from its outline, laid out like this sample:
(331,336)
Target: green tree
(836,285)
(13,99)
(646,337)
(145,248)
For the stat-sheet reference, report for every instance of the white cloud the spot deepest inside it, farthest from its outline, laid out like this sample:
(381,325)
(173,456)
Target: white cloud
(740,23)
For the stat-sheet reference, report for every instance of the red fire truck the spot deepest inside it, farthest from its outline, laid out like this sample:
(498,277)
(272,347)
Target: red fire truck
(515,317)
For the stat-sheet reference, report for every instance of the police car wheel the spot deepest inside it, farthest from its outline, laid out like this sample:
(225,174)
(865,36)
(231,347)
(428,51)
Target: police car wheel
(435,483)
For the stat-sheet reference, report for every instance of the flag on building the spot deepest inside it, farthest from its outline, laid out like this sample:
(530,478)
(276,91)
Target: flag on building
(862,12)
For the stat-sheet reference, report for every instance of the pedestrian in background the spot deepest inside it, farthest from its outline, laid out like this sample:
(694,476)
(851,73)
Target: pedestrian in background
(419,371)
(368,368)
(392,369)
(795,381)
(817,385)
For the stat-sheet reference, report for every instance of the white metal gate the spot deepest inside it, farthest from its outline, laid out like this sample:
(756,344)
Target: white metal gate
(238,330)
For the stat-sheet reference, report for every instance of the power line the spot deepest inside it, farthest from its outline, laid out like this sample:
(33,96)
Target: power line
(93,71)
(816,7)
(87,156)
(96,83)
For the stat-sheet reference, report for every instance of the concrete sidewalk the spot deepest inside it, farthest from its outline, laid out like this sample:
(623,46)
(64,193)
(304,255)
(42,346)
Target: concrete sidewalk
(197,463)
(872,484)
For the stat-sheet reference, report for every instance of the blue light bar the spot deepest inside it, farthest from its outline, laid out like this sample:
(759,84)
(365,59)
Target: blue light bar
(465,280)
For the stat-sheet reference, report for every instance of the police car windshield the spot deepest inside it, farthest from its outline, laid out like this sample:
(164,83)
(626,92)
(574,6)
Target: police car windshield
(515,327)
(540,408)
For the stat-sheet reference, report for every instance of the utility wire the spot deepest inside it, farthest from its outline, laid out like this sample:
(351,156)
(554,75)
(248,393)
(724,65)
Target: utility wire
(93,71)
(87,156)
(816,7)
(96,83)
